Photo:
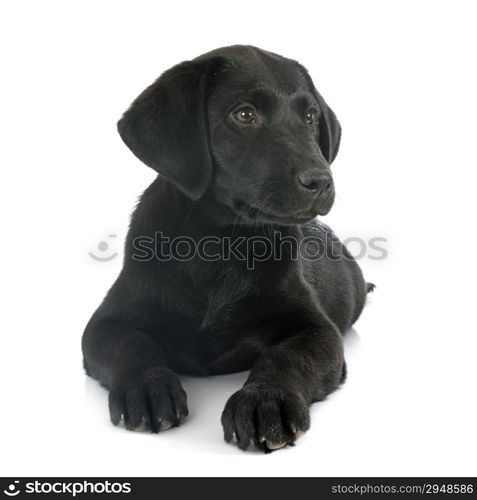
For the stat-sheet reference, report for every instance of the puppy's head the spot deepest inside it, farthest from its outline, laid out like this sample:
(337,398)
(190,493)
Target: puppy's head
(244,125)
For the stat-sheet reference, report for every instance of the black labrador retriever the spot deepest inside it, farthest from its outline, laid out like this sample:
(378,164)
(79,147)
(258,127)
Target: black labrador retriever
(225,269)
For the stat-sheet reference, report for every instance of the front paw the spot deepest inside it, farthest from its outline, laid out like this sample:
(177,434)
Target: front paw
(266,416)
(148,400)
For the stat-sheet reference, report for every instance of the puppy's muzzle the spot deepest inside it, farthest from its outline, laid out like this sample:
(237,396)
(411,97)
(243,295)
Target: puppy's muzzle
(315,183)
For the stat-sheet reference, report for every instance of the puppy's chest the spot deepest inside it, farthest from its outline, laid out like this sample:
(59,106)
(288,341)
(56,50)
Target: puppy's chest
(238,298)
(240,311)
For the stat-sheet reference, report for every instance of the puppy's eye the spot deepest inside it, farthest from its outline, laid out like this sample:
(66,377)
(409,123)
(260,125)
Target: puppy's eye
(310,117)
(245,115)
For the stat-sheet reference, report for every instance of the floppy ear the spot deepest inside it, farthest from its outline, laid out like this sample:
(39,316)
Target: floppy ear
(330,130)
(166,126)
(329,126)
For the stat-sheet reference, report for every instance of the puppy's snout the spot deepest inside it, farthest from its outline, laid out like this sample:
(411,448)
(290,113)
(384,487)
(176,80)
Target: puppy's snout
(315,182)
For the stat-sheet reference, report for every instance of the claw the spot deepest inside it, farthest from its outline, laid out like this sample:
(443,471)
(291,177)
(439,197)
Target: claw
(180,416)
(275,446)
(142,427)
(164,425)
(122,422)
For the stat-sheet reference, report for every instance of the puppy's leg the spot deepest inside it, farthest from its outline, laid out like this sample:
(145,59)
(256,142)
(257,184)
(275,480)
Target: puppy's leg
(271,410)
(143,392)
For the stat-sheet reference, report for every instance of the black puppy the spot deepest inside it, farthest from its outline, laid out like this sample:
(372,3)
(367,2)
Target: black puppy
(243,143)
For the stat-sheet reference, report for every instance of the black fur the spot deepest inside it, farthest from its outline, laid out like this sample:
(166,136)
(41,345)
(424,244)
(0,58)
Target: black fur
(225,178)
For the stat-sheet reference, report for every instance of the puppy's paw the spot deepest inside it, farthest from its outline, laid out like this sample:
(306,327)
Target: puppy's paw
(264,416)
(152,400)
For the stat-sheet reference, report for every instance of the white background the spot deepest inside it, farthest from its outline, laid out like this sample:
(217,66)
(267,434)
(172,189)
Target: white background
(401,77)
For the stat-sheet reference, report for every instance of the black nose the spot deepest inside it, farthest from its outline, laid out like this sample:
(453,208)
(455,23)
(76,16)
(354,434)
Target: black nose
(315,181)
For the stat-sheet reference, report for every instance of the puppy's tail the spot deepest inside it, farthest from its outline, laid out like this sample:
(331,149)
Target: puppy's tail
(370,287)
